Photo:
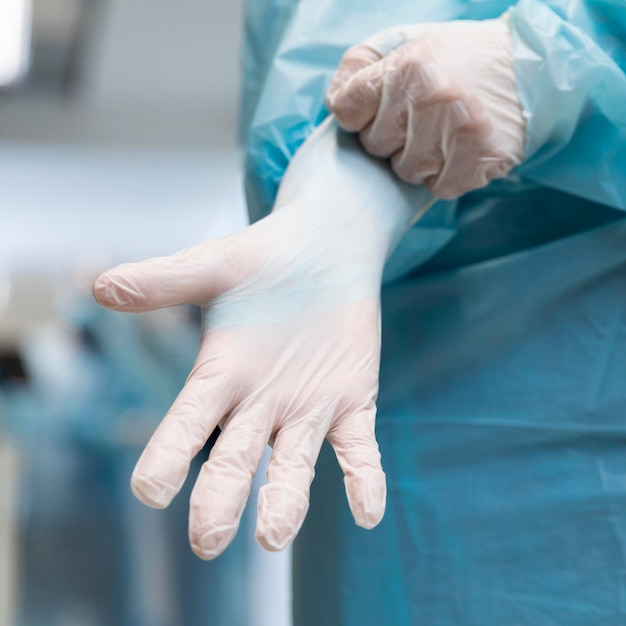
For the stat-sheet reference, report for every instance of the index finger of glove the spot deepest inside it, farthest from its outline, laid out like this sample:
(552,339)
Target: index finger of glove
(355,91)
(205,399)
(354,94)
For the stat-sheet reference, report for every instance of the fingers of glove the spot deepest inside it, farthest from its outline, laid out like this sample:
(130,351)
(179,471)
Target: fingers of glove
(477,152)
(284,501)
(423,154)
(386,134)
(356,94)
(411,86)
(357,451)
(466,158)
(353,61)
(164,463)
(465,172)
(353,95)
(355,91)
(223,485)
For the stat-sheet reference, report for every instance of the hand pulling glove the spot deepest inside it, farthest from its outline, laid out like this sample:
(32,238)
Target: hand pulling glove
(438,99)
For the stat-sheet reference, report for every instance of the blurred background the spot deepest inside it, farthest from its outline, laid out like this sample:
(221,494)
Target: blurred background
(117,142)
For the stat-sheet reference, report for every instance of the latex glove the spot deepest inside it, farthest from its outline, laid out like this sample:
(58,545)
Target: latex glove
(439,99)
(289,351)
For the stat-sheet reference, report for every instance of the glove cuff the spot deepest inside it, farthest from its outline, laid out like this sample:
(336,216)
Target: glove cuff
(556,73)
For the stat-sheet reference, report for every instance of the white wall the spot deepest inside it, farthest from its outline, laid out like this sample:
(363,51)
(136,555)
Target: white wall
(187,58)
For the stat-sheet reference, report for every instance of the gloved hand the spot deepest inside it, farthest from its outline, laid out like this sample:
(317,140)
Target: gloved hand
(439,99)
(289,351)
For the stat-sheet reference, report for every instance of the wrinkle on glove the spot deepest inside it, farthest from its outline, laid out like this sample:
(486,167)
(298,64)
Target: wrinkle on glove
(290,347)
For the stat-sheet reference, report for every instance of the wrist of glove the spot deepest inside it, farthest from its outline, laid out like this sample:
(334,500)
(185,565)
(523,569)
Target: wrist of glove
(439,100)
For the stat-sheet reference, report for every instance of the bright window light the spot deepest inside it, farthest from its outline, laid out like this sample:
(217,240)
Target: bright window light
(15,28)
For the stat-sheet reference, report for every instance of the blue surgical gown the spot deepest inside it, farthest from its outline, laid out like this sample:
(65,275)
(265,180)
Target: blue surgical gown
(502,404)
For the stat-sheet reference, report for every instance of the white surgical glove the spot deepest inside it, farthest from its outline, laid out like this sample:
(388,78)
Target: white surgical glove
(439,99)
(290,346)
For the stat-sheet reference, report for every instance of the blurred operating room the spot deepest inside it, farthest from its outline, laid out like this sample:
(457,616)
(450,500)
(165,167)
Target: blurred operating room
(117,142)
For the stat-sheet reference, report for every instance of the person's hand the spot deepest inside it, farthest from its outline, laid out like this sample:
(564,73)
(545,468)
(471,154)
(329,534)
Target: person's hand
(439,100)
(289,352)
